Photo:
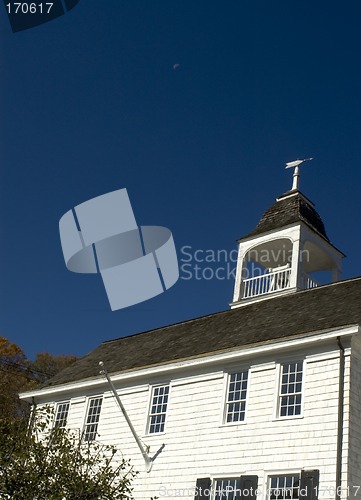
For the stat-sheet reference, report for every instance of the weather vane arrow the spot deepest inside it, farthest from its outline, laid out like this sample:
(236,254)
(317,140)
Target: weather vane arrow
(296,174)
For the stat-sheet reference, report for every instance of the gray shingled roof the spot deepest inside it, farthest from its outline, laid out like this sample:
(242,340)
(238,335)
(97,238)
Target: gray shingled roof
(291,207)
(296,313)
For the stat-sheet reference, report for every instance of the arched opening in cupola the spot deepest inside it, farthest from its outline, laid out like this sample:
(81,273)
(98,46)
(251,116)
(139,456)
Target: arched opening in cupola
(318,266)
(267,268)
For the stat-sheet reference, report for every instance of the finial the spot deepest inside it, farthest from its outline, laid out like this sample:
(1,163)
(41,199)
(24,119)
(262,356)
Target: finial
(296,174)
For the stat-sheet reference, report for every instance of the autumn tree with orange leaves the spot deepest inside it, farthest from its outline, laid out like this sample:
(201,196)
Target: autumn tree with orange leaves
(18,374)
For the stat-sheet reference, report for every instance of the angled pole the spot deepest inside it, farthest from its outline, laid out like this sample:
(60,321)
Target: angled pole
(147,460)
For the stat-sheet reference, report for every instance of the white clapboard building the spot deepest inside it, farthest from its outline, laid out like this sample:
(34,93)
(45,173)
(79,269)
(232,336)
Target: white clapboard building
(260,401)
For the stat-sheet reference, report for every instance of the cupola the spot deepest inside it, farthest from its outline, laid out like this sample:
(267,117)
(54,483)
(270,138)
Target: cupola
(288,251)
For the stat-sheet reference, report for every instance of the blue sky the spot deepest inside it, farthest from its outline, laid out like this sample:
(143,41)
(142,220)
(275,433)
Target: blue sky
(90,103)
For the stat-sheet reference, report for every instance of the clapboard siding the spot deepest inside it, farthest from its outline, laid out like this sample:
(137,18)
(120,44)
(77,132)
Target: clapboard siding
(198,443)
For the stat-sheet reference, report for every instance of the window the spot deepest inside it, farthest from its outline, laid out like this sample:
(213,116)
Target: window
(61,415)
(158,409)
(92,419)
(284,487)
(290,394)
(236,397)
(244,487)
(227,489)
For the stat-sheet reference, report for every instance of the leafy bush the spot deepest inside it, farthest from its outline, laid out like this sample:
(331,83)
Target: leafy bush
(39,462)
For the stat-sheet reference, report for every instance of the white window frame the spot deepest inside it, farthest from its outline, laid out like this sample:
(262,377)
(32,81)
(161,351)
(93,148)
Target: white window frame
(87,425)
(58,410)
(227,402)
(279,395)
(283,474)
(223,478)
(151,414)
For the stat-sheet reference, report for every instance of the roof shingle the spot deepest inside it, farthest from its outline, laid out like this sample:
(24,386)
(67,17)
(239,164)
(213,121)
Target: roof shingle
(326,307)
(289,208)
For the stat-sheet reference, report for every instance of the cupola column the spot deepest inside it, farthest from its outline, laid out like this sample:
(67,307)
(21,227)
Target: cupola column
(295,277)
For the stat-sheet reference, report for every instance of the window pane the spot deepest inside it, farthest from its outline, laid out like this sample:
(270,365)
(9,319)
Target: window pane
(61,416)
(290,395)
(92,419)
(158,409)
(284,487)
(236,397)
(227,489)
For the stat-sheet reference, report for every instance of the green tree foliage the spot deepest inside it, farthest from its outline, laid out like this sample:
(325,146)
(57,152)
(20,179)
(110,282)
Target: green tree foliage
(45,463)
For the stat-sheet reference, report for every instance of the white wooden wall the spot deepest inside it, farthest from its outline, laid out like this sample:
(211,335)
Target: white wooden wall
(198,444)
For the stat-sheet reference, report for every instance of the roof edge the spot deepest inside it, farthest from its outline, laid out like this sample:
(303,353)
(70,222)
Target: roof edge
(217,356)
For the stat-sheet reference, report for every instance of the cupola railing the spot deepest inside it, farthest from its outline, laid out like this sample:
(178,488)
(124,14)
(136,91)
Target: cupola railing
(273,280)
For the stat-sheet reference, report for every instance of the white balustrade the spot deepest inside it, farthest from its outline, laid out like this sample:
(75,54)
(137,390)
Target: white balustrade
(273,281)
(266,283)
(308,282)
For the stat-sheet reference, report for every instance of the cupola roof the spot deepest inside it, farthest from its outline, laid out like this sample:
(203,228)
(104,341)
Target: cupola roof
(290,208)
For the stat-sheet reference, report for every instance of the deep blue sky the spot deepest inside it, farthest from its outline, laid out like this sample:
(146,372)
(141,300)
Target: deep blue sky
(90,103)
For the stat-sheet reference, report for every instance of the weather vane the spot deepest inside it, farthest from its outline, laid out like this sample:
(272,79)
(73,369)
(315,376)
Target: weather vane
(296,174)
